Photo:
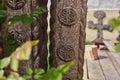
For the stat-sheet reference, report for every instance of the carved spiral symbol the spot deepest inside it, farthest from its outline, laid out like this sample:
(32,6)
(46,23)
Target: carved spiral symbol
(67,16)
(15,4)
(66,53)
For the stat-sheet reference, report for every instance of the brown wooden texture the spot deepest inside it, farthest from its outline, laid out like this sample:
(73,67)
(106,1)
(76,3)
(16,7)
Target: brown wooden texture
(35,31)
(107,67)
(91,52)
(110,45)
(68,22)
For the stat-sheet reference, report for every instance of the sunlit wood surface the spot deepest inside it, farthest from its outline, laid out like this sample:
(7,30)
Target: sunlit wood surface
(106,67)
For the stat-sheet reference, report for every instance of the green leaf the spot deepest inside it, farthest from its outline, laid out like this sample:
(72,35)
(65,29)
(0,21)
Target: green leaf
(56,73)
(39,71)
(117,47)
(1,73)
(21,78)
(11,43)
(26,76)
(65,67)
(35,42)
(23,52)
(29,71)
(115,22)
(39,10)
(2,78)
(3,14)
(14,64)
(4,62)
(14,20)
(52,74)
(38,77)
(2,4)
(25,18)
(13,76)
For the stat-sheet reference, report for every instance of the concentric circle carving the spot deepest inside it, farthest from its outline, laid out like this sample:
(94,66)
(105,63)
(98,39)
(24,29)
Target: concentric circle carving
(67,16)
(66,53)
(15,4)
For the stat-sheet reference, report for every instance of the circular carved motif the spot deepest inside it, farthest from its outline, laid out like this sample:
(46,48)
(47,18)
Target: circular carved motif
(66,53)
(99,14)
(67,16)
(15,4)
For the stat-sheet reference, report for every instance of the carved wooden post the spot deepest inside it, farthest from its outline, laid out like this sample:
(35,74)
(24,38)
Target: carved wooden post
(100,15)
(68,22)
(35,31)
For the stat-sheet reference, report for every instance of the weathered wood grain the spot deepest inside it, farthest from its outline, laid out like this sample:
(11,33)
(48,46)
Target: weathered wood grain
(115,59)
(110,45)
(85,67)
(36,31)
(95,71)
(68,22)
(107,66)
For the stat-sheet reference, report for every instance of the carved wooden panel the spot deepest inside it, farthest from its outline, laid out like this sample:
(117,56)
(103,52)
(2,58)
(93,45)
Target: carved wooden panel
(67,16)
(35,31)
(66,53)
(68,22)
(15,4)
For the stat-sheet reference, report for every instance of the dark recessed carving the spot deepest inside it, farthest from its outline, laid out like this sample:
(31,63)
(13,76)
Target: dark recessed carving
(67,16)
(15,4)
(66,53)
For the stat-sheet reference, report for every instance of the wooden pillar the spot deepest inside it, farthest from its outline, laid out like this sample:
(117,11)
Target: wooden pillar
(68,22)
(35,31)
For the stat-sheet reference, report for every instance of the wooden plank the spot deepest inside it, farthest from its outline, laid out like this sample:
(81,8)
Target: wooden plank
(110,45)
(85,67)
(115,59)
(107,66)
(94,70)
(91,52)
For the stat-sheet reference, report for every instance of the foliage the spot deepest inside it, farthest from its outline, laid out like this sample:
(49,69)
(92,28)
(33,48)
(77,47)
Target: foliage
(2,15)
(10,43)
(115,22)
(88,43)
(27,18)
(23,53)
(51,74)
(117,47)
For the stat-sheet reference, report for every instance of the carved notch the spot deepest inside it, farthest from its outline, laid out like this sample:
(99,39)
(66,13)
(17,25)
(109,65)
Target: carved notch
(66,53)
(15,4)
(67,16)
